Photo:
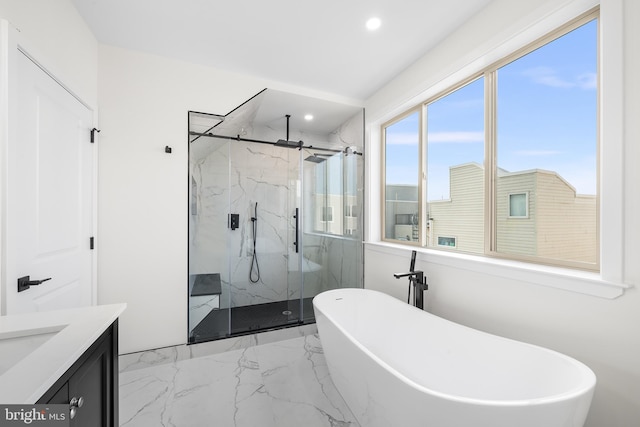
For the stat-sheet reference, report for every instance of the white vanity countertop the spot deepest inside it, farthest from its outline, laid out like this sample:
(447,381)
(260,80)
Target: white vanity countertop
(28,379)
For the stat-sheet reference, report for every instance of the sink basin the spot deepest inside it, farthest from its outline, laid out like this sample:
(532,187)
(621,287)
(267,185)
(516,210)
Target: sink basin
(16,345)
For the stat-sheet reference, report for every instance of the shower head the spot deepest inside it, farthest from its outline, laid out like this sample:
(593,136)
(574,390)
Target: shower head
(288,144)
(315,159)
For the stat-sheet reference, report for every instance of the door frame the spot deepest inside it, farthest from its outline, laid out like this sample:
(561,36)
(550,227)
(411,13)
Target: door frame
(12,43)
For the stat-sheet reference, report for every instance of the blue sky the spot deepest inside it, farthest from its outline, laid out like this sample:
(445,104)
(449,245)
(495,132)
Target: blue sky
(547,116)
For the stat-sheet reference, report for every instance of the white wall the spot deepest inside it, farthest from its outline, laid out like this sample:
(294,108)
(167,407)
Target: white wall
(60,40)
(603,333)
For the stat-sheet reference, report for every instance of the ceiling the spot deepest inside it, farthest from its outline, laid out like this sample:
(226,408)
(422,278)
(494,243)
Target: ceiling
(320,45)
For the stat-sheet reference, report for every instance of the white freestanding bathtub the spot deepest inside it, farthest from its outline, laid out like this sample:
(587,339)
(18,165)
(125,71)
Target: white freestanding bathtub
(396,365)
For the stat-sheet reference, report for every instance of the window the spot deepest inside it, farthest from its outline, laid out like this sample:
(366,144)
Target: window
(449,242)
(330,181)
(351,211)
(519,205)
(509,158)
(546,142)
(454,159)
(402,144)
(327,213)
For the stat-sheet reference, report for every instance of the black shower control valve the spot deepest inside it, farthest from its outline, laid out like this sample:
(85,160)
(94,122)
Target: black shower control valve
(234,221)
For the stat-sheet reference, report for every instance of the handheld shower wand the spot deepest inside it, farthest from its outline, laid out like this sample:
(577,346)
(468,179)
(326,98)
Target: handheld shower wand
(254,257)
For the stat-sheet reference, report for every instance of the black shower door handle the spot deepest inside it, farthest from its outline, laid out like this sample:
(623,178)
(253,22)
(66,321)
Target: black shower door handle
(296,237)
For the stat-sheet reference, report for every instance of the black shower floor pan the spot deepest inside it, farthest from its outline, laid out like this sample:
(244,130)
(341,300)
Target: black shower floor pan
(249,319)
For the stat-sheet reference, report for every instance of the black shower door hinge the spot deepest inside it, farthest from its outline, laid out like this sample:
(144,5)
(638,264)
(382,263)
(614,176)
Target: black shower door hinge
(91,243)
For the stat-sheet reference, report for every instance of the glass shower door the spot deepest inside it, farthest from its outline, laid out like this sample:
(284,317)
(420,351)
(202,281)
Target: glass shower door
(208,314)
(264,286)
(332,238)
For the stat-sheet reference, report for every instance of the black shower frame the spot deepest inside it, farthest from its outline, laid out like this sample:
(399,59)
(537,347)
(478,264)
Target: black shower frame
(299,144)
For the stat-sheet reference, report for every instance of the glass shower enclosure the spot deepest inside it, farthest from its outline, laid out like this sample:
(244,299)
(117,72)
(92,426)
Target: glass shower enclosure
(275,212)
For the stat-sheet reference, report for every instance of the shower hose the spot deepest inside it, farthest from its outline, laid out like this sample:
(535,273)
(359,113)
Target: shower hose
(254,277)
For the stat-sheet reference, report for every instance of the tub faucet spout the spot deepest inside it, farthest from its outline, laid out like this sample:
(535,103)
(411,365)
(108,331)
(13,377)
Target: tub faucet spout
(417,279)
(409,274)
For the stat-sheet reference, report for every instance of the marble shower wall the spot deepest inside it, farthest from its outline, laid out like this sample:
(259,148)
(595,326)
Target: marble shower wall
(208,248)
(267,175)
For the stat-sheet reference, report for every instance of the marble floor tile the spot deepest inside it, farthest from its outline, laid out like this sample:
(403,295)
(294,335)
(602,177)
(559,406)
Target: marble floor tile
(297,380)
(167,355)
(278,384)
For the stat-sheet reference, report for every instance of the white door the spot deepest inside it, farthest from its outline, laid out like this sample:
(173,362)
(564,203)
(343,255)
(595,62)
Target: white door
(49,194)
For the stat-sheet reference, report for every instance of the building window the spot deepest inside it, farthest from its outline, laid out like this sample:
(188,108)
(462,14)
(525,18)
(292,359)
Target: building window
(519,205)
(449,242)
(327,213)
(517,140)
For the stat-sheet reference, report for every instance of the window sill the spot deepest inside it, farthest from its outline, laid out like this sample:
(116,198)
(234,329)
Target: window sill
(582,282)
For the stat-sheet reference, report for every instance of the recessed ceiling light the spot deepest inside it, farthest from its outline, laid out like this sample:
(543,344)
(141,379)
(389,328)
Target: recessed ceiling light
(308,117)
(373,24)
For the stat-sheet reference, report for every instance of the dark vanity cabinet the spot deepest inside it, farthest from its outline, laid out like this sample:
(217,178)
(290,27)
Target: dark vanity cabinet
(90,386)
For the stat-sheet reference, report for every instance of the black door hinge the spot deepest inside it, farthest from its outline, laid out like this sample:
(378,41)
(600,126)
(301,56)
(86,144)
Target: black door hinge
(91,243)
(93,134)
